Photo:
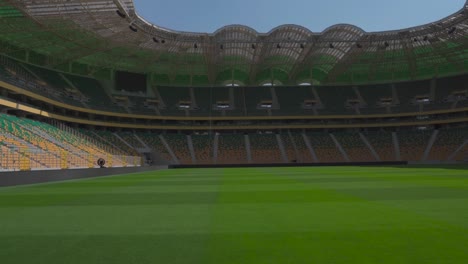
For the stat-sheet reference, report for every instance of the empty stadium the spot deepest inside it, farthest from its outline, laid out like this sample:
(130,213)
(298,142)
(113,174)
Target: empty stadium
(291,146)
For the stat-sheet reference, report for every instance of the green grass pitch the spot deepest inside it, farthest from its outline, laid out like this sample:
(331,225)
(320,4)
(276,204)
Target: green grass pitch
(257,215)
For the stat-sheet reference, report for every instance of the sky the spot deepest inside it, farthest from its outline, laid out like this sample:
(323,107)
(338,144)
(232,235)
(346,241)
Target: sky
(263,15)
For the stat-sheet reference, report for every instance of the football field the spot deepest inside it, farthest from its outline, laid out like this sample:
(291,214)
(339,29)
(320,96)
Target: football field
(238,216)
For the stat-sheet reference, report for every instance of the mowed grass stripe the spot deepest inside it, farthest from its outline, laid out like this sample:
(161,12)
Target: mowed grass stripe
(261,215)
(364,214)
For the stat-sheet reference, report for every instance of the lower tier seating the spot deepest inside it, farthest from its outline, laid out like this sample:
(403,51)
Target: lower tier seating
(180,147)
(231,149)
(27,144)
(264,148)
(355,147)
(413,144)
(203,145)
(325,148)
(447,142)
(382,143)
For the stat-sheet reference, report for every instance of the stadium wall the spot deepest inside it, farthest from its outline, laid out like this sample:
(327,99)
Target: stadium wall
(34,177)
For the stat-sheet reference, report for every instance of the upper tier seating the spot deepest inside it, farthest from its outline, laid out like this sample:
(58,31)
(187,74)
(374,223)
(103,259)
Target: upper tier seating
(407,92)
(445,89)
(372,96)
(171,97)
(50,77)
(334,99)
(88,92)
(92,89)
(291,100)
(253,96)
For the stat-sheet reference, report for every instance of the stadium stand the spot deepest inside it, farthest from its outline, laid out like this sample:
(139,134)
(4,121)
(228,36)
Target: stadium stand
(204,98)
(334,99)
(253,97)
(373,96)
(291,102)
(304,153)
(461,155)
(28,144)
(413,144)
(264,148)
(290,148)
(172,97)
(451,92)
(231,149)
(141,104)
(203,145)
(407,93)
(51,78)
(111,138)
(155,143)
(98,98)
(94,137)
(325,148)
(354,146)
(382,143)
(229,106)
(179,145)
(447,142)
(130,139)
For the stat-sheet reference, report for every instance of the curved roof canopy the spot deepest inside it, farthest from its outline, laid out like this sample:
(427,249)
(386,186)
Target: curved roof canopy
(97,37)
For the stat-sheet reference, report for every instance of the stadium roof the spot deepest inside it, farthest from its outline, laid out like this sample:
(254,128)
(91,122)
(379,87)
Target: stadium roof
(96,37)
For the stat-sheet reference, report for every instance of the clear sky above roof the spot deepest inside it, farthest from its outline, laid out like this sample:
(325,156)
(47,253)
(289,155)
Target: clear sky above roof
(316,15)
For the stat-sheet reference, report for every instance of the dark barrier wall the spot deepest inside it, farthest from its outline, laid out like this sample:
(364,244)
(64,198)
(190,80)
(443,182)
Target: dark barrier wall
(396,163)
(31,177)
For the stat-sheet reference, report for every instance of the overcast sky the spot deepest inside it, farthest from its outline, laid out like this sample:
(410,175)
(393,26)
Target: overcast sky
(317,15)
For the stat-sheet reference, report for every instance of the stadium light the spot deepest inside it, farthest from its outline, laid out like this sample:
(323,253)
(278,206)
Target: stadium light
(133,28)
(122,15)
